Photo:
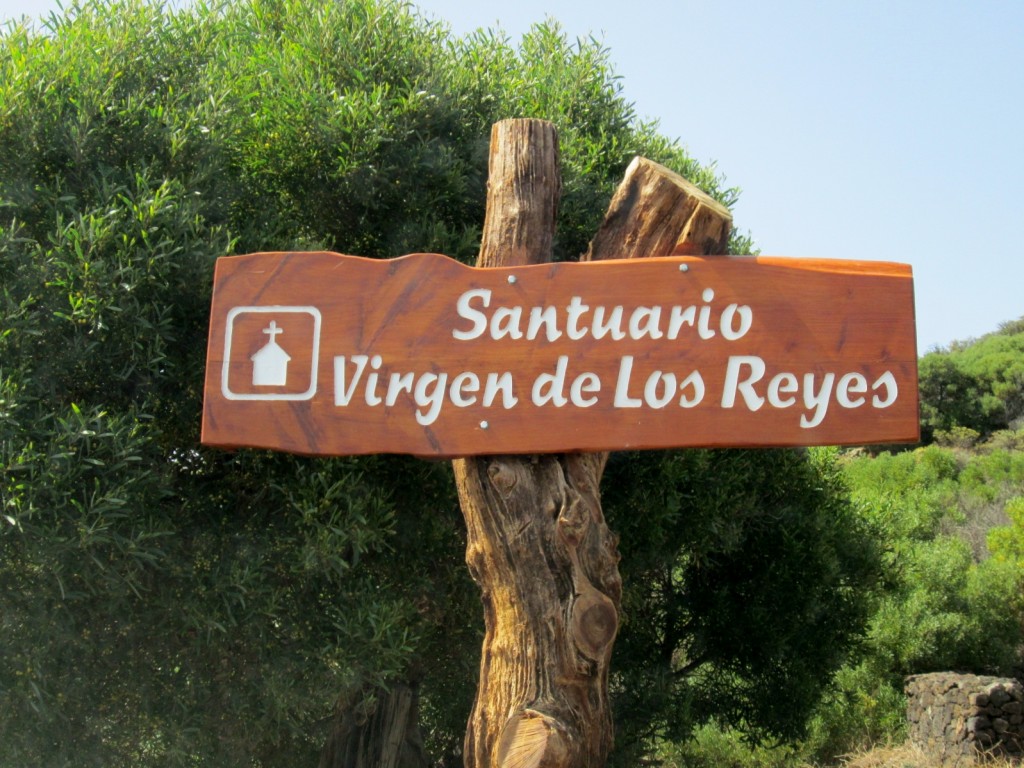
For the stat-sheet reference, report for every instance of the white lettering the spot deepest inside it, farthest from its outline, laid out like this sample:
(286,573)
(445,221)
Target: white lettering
(399,383)
(372,398)
(782,383)
(580,319)
(463,383)
(645,321)
(467,312)
(855,383)
(746,316)
(585,382)
(433,398)
(613,326)
(704,321)
(622,398)
(428,391)
(499,384)
(546,317)
(505,322)
(818,400)
(343,394)
(576,309)
(550,387)
(668,394)
(696,381)
(816,392)
(678,318)
(888,381)
(734,385)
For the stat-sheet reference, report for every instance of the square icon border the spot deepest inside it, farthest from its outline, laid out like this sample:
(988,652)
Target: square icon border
(279,309)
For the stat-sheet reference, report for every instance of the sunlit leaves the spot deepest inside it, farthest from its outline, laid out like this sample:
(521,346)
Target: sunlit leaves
(164,604)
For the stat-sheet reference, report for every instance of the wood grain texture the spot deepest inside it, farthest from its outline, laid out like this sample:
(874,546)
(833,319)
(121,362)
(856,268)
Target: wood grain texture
(806,318)
(524,186)
(656,212)
(386,737)
(537,545)
(546,563)
(547,566)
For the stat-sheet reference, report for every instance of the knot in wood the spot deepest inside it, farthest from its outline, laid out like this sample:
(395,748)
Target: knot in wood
(503,476)
(573,520)
(595,623)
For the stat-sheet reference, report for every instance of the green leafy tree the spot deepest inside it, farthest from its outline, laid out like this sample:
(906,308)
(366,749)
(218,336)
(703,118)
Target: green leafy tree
(978,385)
(162,604)
(746,575)
(950,397)
(997,361)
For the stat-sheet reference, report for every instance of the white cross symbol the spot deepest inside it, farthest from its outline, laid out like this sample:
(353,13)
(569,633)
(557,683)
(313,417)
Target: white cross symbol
(272,330)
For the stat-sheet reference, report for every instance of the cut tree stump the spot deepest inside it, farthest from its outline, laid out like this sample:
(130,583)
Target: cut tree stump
(537,542)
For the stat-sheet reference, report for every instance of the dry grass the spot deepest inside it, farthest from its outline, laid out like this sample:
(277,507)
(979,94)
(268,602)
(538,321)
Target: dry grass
(908,756)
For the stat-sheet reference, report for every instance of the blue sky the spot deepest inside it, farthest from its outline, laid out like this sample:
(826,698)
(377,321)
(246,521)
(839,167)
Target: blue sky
(859,129)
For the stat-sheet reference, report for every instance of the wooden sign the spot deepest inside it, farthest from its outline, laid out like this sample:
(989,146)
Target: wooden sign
(319,353)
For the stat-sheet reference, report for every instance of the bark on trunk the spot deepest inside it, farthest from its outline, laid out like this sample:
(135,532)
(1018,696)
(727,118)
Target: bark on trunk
(656,212)
(387,737)
(538,545)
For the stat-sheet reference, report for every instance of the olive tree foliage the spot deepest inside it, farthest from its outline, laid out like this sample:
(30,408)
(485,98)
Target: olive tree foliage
(160,603)
(163,604)
(746,579)
(975,387)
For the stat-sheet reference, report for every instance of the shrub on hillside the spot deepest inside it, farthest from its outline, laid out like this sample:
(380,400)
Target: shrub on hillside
(945,603)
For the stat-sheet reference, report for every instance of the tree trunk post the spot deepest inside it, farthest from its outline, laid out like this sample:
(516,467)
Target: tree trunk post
(537,542)
(388,736)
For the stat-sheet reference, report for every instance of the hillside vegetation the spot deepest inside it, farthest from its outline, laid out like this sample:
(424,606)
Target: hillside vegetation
(949,517)
(974,388)
(162,604)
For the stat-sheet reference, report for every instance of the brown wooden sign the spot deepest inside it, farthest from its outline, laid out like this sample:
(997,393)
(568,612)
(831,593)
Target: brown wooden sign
(325,354)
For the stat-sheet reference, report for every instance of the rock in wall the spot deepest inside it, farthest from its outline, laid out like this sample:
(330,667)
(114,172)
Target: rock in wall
(960,718)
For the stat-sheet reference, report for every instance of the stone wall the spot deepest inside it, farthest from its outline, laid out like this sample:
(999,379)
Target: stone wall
(960,718)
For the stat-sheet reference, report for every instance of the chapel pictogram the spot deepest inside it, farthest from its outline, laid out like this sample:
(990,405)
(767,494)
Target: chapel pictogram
(270,362)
